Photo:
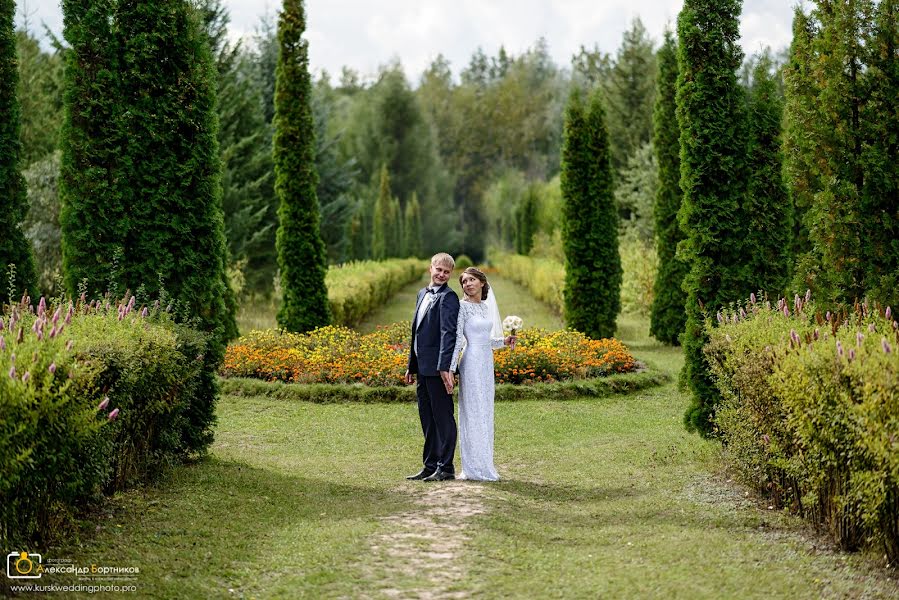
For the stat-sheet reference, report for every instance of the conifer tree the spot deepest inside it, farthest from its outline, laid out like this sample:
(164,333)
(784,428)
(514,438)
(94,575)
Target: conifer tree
(711,117)
(381,220)
(768,244)
(16,258)
(668,318)
(412,228)
(589,221)
(301,251)
(526,221)
(92,211)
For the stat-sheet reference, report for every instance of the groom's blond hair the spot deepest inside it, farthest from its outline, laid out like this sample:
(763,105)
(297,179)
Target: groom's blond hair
(442,258)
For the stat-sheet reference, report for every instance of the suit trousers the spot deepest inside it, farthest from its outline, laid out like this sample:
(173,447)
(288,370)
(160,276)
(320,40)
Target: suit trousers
(438,423)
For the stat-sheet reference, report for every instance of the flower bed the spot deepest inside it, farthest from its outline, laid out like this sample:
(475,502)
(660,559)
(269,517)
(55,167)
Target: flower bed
(810,412)
(340,355)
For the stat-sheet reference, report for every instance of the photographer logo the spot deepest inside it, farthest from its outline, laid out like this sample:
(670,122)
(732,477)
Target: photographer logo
(22,565)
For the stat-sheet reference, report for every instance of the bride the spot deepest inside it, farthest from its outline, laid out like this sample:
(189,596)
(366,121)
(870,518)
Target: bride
(480,329)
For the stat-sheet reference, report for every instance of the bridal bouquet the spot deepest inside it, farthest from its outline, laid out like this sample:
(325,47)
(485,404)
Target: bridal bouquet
(513,324)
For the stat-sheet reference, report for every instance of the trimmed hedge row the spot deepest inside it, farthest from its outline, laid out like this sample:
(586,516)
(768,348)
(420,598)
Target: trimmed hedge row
(612,385)
(357,288)
(93,399)
(810,413)
(543,277)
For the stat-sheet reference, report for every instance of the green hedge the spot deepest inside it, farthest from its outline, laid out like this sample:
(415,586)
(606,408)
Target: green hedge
(810,413)
(357,288)
(543,277)
(93,400)
(333,393)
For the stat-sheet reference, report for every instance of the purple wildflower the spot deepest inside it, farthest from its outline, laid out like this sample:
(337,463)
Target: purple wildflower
(20,336)
(752,298)
(886,345)
(26,376)
(815,335)
(56,314)
(839,349)
(794,337)
(2,343)
(720,318)
(144,312)
(808,295)
(41,307)
(103,404)
(827,316)
(12,372)
(766,438)
(888,314)
(112,416)
(786,310)
(851,353)
(52,368)
(82,298)
(742,313)
(858,338)
(1,323)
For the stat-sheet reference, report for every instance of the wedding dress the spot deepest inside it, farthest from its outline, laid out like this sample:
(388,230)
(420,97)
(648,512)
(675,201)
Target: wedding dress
(476,388)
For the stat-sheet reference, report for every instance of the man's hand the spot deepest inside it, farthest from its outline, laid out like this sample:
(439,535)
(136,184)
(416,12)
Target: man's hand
(409,378)
(448,381)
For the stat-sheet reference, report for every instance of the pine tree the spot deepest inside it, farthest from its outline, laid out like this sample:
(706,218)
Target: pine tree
(799,129)
(93,214)
(170,165)
(589,221)
(711,117)
(668,318)
(412,229)
(526,221)
(380,230)
(301,251)
(396,229)
(768,245)
(14,247)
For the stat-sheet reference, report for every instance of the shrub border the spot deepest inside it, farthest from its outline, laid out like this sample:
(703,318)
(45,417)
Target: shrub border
(322,393)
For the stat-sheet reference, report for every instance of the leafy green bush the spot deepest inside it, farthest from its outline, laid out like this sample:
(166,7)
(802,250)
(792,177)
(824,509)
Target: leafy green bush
(543,277)
(357,288)
(639,264)
(810,412)
(463,262)
(94,398)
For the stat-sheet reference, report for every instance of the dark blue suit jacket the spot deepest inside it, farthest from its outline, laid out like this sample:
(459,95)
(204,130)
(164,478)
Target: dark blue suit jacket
(436,333)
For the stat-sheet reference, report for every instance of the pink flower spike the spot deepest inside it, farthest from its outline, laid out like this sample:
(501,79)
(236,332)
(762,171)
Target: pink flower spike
(851,353)
(12,372)
(2,343)
(786,310)
(858,338)
(886,346)
(808,295)
(56,315)
(52,368)
(888,314)
(41,307)
(1,323)
(827,316)
(26,376)
(839,349)
(113,415)
(720,318)
(53,332)
(752,298)
(82,298)
(871,327)
(103,404)
(144,312)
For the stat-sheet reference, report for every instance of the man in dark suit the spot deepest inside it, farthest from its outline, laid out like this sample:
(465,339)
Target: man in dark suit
(430,354)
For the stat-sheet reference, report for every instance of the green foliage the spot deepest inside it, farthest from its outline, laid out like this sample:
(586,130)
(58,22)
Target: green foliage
(412,241)
(712,120)
(526,221)
(809,413)
(301,251)
(14,247)
(41,224)
(357,288)
(668,317)
(40,95)
(768,245)
(58,448)
(382,221)
(636,192)
(589,222)
(842,82)
(639,265)
(544,278)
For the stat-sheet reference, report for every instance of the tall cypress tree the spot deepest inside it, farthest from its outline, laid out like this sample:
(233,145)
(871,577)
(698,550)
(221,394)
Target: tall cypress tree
(93,215)
(711,115)
(301,251)
(380,231)
(15,249)
(526,221)
(395,248)
(668,318)
(589,221)
(768,245)
(412,229)
(171,163)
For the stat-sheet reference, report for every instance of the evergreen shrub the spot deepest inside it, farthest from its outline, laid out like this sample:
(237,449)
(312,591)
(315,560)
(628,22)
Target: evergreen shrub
(543,277)
(357,288)
(810,412)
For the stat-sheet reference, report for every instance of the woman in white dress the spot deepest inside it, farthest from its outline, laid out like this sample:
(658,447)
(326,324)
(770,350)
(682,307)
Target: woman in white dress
(480,331)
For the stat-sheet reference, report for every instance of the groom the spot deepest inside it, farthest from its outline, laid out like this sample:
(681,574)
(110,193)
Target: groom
(430,354)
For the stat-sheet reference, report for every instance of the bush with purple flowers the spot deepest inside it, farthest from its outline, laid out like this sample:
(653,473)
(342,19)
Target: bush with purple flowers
(93,397)
(810,412)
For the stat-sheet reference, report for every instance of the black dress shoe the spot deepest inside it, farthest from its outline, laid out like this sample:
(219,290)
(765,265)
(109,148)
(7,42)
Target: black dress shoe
(440,475)
(420,475)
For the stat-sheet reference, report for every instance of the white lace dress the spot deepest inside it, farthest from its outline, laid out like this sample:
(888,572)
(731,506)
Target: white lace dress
(476,390)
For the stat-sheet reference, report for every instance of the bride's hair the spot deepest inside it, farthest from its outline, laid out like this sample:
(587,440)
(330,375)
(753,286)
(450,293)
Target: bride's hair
(477,273)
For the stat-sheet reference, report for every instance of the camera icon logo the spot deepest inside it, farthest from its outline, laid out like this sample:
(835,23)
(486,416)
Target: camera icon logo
(22,565)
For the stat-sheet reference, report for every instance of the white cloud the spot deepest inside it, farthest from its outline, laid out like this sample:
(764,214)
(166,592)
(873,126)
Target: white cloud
(364,35)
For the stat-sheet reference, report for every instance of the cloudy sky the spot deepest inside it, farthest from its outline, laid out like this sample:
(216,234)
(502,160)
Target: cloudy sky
(363,34)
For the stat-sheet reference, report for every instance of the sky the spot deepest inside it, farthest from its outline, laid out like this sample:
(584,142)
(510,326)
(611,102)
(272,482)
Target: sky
(364,35)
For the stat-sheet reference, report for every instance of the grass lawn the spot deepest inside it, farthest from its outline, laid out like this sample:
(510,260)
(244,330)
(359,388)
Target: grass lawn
(607,497)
